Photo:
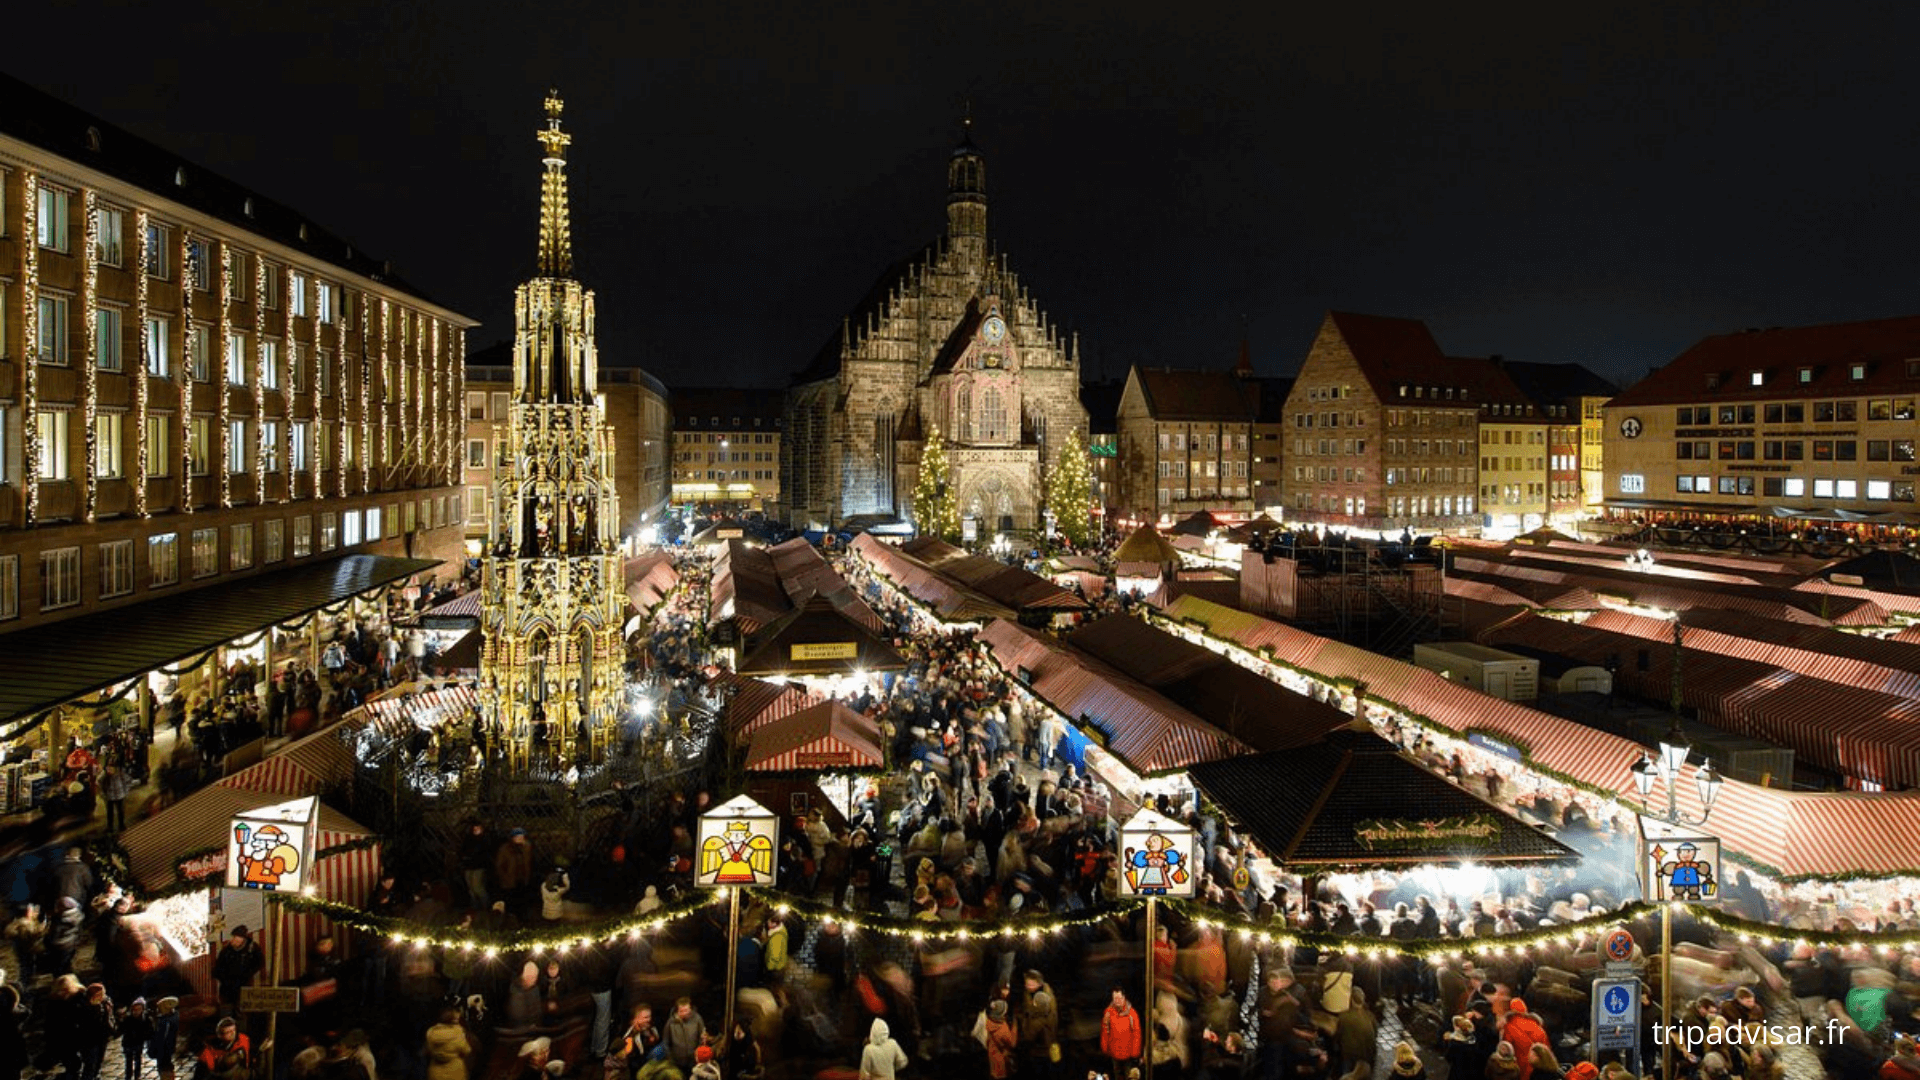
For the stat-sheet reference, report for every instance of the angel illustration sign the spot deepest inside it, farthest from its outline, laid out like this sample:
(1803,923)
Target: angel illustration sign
(1156,856)
(736,845)
(271,848)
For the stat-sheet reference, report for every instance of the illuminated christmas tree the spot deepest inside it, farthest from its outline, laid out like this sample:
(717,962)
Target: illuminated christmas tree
(935,510)
(1070,492)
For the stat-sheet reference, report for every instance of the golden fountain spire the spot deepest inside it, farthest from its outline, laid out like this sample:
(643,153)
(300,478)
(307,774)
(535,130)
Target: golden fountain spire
(556,231)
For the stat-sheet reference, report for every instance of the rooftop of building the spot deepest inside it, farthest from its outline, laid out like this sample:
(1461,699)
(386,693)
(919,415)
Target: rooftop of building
(703,408)
(1556,383)
(1878,356)
(1398,357)
(70,132)
(1196,395)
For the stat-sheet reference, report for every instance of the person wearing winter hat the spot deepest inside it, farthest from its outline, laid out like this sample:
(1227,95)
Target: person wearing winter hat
(136,1030)
(1504,1064)
(1406,1062)
(881,1058)
(1000,1040)
(1524,1032)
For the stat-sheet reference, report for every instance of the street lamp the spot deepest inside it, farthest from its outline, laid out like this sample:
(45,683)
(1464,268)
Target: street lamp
(1666,769)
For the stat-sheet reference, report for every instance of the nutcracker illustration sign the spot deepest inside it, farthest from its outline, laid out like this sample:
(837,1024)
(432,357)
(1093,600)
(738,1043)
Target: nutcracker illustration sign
(736,845)
(1156,856)
(1677,867)
(271,848)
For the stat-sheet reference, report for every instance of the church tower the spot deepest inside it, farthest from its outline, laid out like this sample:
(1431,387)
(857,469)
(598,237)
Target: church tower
(967,201)
(552,669)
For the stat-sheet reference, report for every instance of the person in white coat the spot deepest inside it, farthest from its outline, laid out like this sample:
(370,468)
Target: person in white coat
(881,1058)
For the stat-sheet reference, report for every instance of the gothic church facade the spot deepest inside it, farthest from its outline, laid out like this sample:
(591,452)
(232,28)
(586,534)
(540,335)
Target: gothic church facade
(947,345)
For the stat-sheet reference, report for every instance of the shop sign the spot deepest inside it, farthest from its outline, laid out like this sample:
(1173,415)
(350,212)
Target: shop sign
(821,759)
(272,848)
(1391,834)
(203,866)
(736,845)
(826,650)
(1156,856)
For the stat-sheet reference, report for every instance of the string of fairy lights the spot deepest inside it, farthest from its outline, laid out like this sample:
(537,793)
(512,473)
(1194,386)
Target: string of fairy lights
(183,371)
(90,356)
(30,331)
(1033,930)
(143,313)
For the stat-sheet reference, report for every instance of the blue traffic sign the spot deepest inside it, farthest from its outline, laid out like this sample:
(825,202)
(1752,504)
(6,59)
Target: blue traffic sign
(1616,1014)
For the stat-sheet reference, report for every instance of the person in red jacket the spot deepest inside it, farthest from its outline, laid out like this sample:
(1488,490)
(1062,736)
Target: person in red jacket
(1120,1035)
(1523,1031)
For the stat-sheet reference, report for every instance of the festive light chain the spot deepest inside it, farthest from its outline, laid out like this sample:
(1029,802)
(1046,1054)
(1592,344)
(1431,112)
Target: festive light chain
(90,356)
(283,453)
(142,464)
(367,360)
(1568,936)
(315,365)
(381,433)
(456,447)
(342,427)
(222,380)
(183,368)
(259,379)
(30,330)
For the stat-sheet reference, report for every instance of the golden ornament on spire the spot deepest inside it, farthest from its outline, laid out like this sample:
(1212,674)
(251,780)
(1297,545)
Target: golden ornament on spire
(556,228)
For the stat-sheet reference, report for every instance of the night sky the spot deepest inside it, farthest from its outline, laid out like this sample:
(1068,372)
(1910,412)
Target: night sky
(1602,184)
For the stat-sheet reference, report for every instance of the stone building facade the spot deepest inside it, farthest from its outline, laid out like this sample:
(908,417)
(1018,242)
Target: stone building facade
(949,344)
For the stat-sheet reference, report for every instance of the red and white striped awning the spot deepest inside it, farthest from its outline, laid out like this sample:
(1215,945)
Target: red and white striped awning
(827,735)
(308,767)
(397,714)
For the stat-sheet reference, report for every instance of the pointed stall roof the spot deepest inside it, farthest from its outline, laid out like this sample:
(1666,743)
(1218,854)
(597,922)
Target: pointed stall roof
(822,736)
(1146,545)
(817,638)
(1354,802)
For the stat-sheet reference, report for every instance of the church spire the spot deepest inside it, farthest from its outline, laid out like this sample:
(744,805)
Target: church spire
(967,189)
(556,230)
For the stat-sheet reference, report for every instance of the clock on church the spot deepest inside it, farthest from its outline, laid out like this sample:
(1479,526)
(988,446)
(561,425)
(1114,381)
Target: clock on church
(994,329)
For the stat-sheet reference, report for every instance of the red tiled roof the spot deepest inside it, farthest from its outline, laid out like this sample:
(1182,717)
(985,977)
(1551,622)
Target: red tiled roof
(1391,353)
(1830,350)
(949,600)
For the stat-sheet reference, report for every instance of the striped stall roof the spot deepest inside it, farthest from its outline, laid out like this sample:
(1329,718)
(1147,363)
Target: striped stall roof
(1847,670)
(1016,588)
(1798,833)
(1885,601)
(826,732)
(949,600)
(308,767)
(649,579)
(200,821)
(395,714)
(754,703)
(1652,590)
(1909,636)
(1150,733)
(804,573)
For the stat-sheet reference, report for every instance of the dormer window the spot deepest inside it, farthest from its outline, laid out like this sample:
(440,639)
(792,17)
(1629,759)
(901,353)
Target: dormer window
(1403,389)
(180,177)
(1806,374)
(1758,378)
(1857,372)
(1713,380)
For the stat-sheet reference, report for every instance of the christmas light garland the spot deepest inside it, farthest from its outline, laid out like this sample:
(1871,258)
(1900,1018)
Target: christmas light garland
(30,330)
(319,359)
(259,380)
(90,355)
(142,464)
(222,380)
(183,373)
(1033,928)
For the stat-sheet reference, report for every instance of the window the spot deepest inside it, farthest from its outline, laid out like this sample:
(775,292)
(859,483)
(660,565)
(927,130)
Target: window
(51,222)
(202,255)
(59,578)
(303,536)
(270,281)
(53,330)
(1846,411)
(1683,484)
(1758,378)
(1879,489)
(109,432)
(206,552)
(159,444)
(322,372)
(1796,412)
(500,405)
(1823,489)
(1806,375)
(1857,372)
(274,543)
(240,546)
(993,416)
(199,445)
(163,559)
(352,535)
(237,277)
(476,453)
(1727,486)
(296,366)
(106,338)
(322,442)
(1846,489)
(476,405)
(237,359)
(116,568)
(373,523)
(297,290)
(1877,450)
(329,531)
(159,347)
(159,266)
(297,453)
(107,245)
(200,354)
(270,452)
(1903,449)
(53,444)
(237,446)
(1880,409)
(270,369)
(477,505)
(326,301)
